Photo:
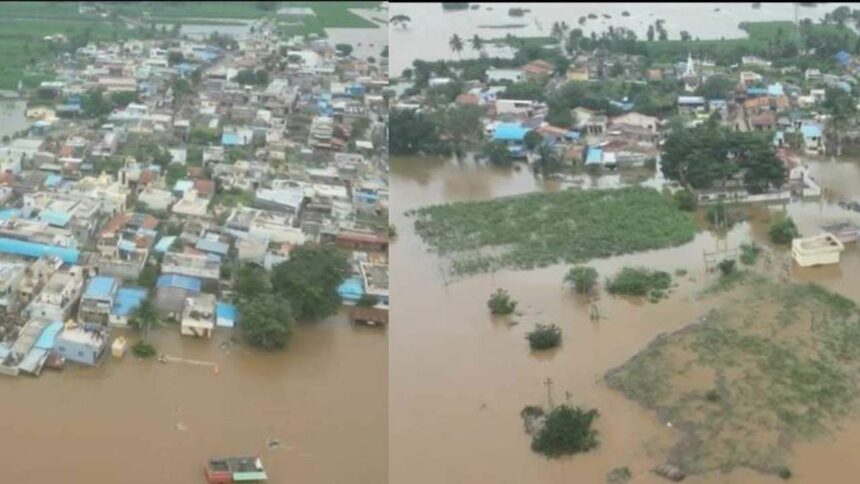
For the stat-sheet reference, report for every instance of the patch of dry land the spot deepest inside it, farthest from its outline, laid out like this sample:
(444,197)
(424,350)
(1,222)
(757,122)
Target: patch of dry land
(774,362)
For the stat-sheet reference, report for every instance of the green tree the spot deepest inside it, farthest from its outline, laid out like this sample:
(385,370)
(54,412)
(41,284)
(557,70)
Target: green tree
(456,44)
(148,276)
(686,200)
(567,430)
(783,230)
(252,280)
(842,109)
(310,278)
(477,43)
(500,302)
(547,160)
(582,278)
(267,321)
(497,152)
(144,317)
(343,49)
(532,140)
(544,337)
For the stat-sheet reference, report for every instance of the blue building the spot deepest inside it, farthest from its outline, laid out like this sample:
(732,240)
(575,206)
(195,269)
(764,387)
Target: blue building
(513,135)
(127,300)
(351,289)
(98,299)
(171,291)
(84,344)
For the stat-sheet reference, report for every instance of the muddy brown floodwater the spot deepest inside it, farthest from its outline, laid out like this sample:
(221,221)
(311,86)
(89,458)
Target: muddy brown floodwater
(459,377)
(324,400)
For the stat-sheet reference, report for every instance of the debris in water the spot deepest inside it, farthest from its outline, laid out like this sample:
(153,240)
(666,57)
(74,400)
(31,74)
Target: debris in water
(273,443)
(180,426)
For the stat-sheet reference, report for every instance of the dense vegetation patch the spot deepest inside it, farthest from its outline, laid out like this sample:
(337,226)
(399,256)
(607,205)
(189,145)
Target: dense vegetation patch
(783,230)
(544,337)
(639,281)
(500,302)
(541,229)
(582,278)
(564,430)
(772,364)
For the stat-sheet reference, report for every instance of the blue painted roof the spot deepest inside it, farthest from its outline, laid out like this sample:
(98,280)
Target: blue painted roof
(691,100)
(179,281)
(32,249)
(127,300)
(842,57)
(49,336)
(351,289)
(183,186)
(756,91)
(55,218)
(594,155)
(214,246)
(775,90)
(53,180)
(811,130)
(101,287)
(510,132)
(230,139)
(126,245)
(164,244)
(8,213)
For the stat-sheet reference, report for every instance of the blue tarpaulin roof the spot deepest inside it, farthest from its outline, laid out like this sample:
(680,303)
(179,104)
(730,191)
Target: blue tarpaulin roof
(32,249)
(214,246)
(842,57)
(351,289)
(127,300)
(53,180)
(100,287)
(756,91)
(179,281)
(510,132)
(230,139)
(594,155)
(49,336)
(226,314)
(55,218)
(164,244)
(775,90)
(8,213)
(811,131)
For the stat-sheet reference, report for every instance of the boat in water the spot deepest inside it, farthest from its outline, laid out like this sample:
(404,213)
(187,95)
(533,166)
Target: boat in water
(235,469)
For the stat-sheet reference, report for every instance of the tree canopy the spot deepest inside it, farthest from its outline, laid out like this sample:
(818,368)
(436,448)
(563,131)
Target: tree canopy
(267,320)
(710,156)
(309,280)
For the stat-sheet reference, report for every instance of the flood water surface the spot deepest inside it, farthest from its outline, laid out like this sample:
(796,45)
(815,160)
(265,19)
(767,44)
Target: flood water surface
(314,413)
(462,376)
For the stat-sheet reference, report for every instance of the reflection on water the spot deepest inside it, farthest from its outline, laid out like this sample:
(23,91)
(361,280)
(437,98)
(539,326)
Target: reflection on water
(12,116)
(323,400)
(427,36)
(462,377)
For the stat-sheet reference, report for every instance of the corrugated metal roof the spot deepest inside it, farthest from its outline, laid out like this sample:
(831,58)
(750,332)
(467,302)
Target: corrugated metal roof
(510,132)
(164,244)
(226,314)
(55,218)
(214,246)
(127,300)
(179,281)
(32,249)
(100,287)
(48,337)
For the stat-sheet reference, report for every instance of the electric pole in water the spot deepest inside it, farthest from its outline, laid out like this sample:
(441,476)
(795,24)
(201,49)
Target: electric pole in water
(548,382)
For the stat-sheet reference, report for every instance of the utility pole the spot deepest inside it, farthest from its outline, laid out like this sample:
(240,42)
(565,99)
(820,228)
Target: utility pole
(548,382)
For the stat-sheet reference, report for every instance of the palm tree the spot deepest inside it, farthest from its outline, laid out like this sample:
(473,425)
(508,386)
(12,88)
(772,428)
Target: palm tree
(477,43)
(144,317)
(456,44)
(510,39)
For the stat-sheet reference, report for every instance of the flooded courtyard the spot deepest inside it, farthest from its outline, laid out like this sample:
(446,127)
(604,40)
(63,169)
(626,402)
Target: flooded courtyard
(315,412)
(477,371)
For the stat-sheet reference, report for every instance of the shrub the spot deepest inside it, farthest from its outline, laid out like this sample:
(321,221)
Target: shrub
(686,200)
(638,281)
(712,396)
(531,411)
(619,475)
(142,349)
(727,267)
(749,253)
(784,473)
(582,278)
(782,231)
(567,430)
(501,303)
(544,336)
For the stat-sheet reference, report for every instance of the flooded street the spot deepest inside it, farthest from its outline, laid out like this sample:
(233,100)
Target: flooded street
(477,372)
(430,21)
(12,116)
(321,403)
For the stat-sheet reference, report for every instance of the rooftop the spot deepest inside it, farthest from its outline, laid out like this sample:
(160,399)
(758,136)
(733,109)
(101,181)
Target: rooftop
(101,287)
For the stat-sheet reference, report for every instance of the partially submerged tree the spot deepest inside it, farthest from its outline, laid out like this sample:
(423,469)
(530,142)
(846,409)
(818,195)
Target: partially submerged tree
(267,321)
(544,336)
(582,278)
(783,230)
(500,302)
(310,278)
(567,430)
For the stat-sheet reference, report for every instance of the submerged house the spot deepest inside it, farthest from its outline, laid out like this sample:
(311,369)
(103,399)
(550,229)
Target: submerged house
(98,299)
(813,141)
(513,135)
(172,290)
(84,343)
(198,316)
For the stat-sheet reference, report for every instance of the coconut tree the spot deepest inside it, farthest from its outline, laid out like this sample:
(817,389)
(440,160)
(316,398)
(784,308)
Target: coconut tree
(477,43)
(547,160)
(510,40)
(456,44)
(144,317)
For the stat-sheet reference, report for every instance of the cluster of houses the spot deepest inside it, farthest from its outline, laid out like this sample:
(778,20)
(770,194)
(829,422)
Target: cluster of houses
(91,226)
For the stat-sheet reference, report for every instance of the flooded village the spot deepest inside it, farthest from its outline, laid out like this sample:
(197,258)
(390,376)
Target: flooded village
(194,246)
(699,341)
